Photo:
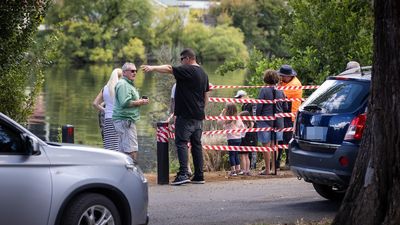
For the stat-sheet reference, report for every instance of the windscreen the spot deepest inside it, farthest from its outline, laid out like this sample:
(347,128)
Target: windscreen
(338,96)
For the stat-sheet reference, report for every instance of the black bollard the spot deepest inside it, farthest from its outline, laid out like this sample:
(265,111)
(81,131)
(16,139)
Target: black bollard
(162,153)
(68,134)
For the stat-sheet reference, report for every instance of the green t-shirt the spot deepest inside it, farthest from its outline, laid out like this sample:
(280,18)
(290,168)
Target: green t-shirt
(125,92)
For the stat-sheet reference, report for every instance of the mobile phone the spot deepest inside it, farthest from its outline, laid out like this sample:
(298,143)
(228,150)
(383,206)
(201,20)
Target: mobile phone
(144,97)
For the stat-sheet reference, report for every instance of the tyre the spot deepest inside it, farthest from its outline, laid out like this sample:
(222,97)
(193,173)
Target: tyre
(329,192)
(91,208)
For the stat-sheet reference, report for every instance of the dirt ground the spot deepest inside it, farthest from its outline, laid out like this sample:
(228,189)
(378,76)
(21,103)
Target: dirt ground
(223,176)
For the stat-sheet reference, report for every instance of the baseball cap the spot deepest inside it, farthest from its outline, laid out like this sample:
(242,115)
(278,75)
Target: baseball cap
(240,94)
(352,65)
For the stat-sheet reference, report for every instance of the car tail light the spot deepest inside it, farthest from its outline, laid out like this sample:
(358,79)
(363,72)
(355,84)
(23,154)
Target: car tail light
(344,161)
(356,128)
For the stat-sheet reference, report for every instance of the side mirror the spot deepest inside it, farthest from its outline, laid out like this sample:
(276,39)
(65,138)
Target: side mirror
(31,144)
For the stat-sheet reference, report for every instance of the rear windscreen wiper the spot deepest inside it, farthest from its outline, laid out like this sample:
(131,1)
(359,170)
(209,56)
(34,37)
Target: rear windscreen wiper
(312,107)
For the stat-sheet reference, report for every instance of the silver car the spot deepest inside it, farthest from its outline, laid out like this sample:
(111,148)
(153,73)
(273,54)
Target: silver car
(48,183)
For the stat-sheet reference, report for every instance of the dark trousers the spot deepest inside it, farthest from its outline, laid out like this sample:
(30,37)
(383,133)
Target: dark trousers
(286,138)
(189,130)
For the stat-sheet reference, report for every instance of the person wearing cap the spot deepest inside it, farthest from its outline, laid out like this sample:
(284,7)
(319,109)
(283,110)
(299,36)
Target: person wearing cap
(352,65)
(289,78)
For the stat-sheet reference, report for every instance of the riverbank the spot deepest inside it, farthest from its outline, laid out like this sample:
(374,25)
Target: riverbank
(223,176)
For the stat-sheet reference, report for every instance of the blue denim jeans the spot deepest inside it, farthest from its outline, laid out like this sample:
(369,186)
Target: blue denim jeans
(234,155)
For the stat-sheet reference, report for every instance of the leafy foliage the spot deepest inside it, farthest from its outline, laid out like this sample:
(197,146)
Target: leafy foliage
(110,30)
(329,33)
(259,20)
(99,30)
(133,50)
(214,44)
(322,36)
(20,64)
(167,27)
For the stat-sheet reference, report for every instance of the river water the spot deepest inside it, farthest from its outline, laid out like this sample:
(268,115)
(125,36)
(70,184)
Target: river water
(68,93)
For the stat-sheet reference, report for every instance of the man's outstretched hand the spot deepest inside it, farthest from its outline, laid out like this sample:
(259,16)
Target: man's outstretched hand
(146,68)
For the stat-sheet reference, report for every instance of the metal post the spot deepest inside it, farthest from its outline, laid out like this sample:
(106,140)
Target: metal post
(162,153)
(67,134)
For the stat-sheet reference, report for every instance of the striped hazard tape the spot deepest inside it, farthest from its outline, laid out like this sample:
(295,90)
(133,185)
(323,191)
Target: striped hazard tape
(253,118)
(276,87)
(244,148)
(213,132)
(254,101)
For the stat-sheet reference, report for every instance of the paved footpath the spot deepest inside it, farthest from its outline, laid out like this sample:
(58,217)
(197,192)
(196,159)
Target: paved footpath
(272,201)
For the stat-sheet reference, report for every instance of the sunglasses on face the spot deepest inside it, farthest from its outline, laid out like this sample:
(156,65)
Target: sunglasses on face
(132,71)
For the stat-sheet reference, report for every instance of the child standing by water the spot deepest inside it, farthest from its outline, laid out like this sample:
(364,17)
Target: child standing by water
(250,139)
(234,139)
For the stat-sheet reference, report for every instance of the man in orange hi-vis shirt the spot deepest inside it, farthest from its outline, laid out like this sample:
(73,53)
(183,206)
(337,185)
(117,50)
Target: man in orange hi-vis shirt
(288,78)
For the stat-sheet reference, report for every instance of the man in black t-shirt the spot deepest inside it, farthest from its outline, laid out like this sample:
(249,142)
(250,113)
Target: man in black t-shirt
(191,96)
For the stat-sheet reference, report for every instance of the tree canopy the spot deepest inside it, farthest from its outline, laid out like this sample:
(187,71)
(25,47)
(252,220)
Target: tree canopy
(108,30)
(333,32)
(98,30)
(259,20)
(320,38)
(21,59)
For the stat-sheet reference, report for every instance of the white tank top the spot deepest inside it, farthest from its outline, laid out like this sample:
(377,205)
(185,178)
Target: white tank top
(109,103)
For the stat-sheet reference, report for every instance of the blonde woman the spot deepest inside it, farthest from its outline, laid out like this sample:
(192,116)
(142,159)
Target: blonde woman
(104,102)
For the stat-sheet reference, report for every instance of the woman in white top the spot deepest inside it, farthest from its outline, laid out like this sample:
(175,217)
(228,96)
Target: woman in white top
(104,102)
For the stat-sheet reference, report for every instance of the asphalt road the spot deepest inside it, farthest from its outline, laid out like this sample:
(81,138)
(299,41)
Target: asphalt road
(272,201)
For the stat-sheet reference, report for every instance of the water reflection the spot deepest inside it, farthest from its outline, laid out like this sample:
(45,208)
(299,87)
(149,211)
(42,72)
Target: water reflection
(68,94)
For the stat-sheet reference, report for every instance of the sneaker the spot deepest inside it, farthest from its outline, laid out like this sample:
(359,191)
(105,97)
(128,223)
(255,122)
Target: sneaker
(180,179)
(233,174)
(240,172)
(198,180)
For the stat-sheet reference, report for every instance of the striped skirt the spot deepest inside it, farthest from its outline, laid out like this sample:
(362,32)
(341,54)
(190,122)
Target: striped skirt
(110,140)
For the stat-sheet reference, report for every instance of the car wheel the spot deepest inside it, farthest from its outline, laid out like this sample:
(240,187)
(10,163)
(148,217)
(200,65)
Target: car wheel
(329,192)
(90,209)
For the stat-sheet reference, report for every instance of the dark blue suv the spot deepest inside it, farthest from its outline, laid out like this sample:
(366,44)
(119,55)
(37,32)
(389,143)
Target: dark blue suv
(328,131)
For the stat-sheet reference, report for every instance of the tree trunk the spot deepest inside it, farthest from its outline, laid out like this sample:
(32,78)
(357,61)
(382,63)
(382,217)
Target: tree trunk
(373,196)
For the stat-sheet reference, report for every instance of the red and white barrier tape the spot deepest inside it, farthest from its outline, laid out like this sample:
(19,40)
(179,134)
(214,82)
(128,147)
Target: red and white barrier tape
(163,134)
(256,101)
(243,148)
(276,87)
(213,132)
(253,118)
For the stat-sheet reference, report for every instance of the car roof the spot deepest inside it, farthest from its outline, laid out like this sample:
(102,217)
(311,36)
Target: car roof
(363,73)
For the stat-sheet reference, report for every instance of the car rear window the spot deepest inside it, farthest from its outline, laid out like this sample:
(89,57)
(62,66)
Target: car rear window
(338,96)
